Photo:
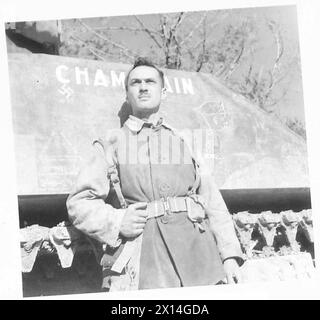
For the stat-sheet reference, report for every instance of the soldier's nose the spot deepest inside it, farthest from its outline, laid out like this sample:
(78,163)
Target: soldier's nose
(143,86)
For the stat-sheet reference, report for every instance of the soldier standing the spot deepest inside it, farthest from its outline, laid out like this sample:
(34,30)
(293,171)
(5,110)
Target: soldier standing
(161,223)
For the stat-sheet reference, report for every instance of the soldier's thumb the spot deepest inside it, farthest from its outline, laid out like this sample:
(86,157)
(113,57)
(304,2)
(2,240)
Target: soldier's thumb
(139,205)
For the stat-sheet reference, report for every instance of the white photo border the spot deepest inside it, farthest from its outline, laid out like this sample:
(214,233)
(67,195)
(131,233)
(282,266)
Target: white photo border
(10,267)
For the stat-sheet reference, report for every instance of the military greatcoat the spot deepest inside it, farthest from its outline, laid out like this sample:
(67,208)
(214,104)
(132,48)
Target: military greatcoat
(179,247)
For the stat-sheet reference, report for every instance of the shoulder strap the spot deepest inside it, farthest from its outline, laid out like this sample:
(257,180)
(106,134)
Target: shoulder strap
(196,183)
(113,176)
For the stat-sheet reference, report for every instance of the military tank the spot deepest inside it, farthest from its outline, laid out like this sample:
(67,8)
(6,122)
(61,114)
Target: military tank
(60,104)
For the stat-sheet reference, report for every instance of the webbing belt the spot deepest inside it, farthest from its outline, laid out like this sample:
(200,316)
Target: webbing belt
(154,209)
(169,205)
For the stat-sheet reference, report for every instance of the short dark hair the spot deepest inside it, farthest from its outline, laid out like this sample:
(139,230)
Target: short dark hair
(142,61)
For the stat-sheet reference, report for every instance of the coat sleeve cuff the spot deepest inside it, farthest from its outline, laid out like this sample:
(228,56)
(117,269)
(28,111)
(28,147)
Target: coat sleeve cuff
(232,251)
(239,260)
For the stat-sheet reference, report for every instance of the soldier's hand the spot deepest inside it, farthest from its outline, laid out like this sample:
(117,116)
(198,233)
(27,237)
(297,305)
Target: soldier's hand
(134,220)
(232,271)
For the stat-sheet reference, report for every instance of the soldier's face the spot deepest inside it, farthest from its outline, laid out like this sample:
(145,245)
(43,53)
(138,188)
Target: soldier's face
(145,91)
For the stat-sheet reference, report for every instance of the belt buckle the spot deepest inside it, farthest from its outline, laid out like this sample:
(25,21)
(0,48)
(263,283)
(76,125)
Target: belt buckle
(167,210)
(166,206)
(187,201)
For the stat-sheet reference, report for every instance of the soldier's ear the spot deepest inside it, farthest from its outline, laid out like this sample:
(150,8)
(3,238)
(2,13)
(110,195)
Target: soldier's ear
(163,93)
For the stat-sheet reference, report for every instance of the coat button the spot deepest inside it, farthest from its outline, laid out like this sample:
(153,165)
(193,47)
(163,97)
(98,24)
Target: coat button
(164,189)
(164,219)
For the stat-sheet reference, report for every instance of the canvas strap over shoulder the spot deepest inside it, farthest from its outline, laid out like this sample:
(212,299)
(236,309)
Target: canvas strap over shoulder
(113,176)
(196,183)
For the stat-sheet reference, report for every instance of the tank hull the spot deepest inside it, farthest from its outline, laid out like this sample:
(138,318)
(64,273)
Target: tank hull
(60,105)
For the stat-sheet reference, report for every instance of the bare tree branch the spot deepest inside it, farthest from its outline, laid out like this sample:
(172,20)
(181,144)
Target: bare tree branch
(285,73)
(174,60)
(147,30)
(163,27)
(212,26)
(165,36)
(279,42)
(92,50)
(194,29)
(123,28)
(117,45)
(275,101)
(178,22)
(235,62)
(202,57)
(197,44)
(249,73)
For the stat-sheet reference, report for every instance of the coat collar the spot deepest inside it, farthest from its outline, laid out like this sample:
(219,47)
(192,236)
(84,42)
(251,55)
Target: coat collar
(135,124)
